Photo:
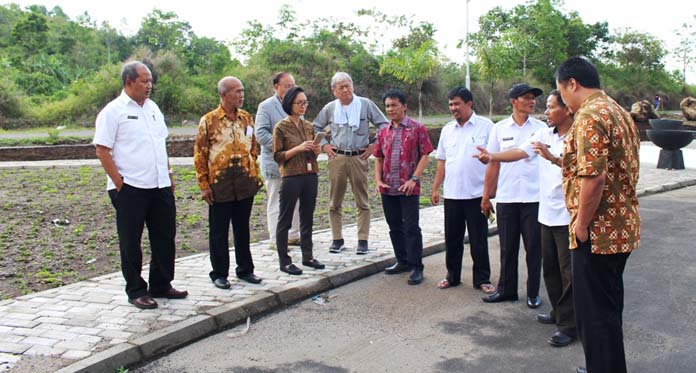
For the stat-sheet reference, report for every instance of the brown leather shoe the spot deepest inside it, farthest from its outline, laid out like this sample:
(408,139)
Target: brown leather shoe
(144,303)
(171,294)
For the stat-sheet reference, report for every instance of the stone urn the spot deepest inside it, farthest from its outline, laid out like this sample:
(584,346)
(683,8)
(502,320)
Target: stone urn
(670,137)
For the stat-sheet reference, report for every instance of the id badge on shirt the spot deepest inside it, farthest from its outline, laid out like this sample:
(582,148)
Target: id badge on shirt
(309,166)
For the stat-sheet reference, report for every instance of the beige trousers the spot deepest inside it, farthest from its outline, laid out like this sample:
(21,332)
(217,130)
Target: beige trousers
(342,170)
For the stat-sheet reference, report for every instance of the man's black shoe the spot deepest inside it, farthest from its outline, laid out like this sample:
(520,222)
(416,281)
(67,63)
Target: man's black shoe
(534,302)
(314,264)
(221,283)
(144,303)
(560,339)
(396,268)
(251,278)
(291,269)
(171,294)
(581,370)
(336,246)
(545,318)
(416,277)
(362,247)
(497,297)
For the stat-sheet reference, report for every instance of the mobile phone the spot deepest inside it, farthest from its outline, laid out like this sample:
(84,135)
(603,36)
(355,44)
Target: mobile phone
(318,137)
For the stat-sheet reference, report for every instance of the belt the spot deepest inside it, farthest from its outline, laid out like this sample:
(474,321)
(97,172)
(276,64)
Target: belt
(349,153)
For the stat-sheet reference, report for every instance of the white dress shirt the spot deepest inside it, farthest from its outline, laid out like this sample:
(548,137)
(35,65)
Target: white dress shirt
(552,208)
(518,181)
(137,138)
(457,145)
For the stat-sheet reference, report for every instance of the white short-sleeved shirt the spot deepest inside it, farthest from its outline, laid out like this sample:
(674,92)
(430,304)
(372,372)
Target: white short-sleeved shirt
(137,138)
(518,181)
(552,208)
(457,145)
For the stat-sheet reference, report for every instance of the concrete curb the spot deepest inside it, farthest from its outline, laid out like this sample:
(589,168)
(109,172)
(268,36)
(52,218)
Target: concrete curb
(216,319)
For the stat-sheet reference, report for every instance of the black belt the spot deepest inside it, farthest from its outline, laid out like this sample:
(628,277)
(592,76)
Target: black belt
(349,153)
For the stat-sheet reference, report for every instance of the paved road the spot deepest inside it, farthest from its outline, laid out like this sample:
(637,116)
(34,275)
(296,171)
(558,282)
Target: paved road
(380,324)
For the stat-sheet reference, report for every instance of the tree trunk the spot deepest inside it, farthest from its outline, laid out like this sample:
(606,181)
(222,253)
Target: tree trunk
(420,106)
(490,102)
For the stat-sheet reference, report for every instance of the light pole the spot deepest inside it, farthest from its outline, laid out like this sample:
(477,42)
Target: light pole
(468,78)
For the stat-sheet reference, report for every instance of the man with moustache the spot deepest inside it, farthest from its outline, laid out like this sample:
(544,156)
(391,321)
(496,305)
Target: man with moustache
(515,186)
(270,112)
(463,187)
(553,216)
(130,138)
(348,118)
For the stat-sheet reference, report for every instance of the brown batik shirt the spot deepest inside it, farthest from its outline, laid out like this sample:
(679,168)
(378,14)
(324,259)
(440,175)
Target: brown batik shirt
(604,140)
(225,156)
(286,136)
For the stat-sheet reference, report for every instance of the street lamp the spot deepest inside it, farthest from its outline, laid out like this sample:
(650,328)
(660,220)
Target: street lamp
(468,78)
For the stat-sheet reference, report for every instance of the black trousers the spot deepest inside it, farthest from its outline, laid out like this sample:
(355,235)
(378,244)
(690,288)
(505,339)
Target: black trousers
(515,219)
(460,215)
(598,294)
(402,214)
(220,214)
(558,276)
(136,208)
(302,188)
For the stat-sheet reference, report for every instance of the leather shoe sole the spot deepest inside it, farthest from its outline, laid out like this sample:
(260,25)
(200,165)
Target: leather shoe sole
(251,278)
(497,297)
(221,283)
(545,318)
(144,303)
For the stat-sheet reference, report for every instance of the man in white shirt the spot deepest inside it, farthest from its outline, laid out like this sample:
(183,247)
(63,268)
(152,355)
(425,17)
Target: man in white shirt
(553,216)
(269,113)
(515,187)
(130,138)
(463,187)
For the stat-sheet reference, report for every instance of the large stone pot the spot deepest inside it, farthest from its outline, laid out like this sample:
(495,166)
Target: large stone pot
(671,142)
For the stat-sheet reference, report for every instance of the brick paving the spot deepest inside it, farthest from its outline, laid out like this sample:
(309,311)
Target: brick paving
(72,322)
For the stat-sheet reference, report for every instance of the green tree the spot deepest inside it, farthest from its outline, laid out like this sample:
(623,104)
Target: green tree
(163,30)
(31,32)
(639,51)
(686,47)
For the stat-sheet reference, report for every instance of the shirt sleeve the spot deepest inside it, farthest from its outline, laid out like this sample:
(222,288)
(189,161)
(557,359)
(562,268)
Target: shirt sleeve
(424,145)
(377,152)
(321,121)
(200,155)
(441,153)
(105,129)
(375,115)
(263,127)
(493,146)
(592,146)
(278,149)
(527,145)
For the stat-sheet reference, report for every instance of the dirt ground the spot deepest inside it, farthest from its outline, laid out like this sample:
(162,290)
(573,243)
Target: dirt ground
(57,225)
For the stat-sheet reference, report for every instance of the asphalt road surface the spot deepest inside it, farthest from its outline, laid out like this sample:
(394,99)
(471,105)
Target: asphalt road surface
(381,324)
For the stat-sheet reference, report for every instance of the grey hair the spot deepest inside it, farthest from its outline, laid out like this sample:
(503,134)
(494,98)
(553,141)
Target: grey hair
(129,71)
(222,86)
(339,77)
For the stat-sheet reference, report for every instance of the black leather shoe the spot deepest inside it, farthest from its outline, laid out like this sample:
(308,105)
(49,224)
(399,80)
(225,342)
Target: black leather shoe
(144,303)
(291,269)
(314,264)
(497,297)
(362,247)
(581,370)
(250,278)
(416,277)
(171,294)
(560,339)
(336,246)
(534,302)
(396,268)
(545,318)
(221,283)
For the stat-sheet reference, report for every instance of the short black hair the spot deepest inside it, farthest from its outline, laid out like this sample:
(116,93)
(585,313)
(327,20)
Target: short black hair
(290,98)
(559,99)
(278,76)
(461,92)
(394,93)
(580,69)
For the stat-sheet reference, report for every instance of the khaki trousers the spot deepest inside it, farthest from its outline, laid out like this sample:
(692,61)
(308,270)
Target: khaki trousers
(342,170)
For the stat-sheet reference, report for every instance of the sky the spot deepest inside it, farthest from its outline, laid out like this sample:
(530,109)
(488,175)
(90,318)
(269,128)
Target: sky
(224,20)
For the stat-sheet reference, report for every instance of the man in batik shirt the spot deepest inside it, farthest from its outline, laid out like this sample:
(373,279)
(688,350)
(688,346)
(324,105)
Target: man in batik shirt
(225,159)
(600,173)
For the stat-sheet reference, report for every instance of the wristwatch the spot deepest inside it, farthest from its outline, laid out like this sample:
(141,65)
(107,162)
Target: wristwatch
(415,178)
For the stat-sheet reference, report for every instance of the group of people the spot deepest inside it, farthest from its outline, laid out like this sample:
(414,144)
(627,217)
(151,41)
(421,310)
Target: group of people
(566,188)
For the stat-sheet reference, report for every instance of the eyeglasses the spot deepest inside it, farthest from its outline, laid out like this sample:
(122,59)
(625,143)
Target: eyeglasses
(301,103)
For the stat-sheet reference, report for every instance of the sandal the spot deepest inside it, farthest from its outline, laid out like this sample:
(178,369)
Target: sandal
(487,288)
(444,284)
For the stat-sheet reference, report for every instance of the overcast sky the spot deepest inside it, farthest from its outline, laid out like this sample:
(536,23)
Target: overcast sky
(224,20)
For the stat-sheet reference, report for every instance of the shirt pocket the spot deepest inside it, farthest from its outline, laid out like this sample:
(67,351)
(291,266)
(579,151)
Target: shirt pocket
(507,143)
(452,147)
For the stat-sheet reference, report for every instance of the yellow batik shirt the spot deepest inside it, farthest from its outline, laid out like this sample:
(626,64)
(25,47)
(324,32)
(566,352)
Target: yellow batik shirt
(225,156)
(604,140)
